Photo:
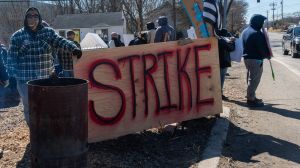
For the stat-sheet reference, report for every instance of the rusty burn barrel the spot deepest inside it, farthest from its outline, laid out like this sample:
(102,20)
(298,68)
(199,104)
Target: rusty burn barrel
(58,122)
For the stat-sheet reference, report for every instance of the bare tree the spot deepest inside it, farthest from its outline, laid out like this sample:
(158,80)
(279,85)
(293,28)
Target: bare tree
(135,11)
(87,6)
(221,7)
(237,16)
(11,19)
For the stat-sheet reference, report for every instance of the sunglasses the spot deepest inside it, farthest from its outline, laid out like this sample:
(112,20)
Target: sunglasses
(32,16)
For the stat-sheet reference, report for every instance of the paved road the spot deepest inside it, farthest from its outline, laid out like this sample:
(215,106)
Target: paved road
(269,136)
(292,64)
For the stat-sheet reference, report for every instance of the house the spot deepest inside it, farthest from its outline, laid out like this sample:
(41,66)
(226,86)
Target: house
(102,24)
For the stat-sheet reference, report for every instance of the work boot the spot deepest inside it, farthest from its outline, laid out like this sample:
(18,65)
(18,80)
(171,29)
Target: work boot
(258,100)
(225,97)
(255,103)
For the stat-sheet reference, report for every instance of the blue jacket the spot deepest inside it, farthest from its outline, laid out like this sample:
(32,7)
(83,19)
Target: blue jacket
(165,32)
(3,73)
(254,41)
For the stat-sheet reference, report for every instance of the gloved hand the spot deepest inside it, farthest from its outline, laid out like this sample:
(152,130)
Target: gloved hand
(4,83)
(77,52)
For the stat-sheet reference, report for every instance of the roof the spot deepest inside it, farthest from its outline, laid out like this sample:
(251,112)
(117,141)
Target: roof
(89,20)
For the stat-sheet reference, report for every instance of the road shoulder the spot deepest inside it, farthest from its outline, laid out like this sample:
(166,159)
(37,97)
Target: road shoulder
(212,153)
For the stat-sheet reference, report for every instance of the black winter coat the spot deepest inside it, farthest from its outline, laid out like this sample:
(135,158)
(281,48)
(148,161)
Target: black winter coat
(3,73)
(224,52)
(254,41)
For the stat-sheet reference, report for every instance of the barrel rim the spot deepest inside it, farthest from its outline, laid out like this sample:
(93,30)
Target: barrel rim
(34,83)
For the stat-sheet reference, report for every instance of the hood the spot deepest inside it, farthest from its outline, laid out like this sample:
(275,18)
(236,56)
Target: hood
(257,21)
(150,26)
(40,19)
(162,21)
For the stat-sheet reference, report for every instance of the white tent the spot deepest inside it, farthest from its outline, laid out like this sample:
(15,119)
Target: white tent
(91,41)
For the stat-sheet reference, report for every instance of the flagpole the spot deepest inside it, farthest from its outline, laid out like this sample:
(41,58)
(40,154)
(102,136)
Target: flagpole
(273,74)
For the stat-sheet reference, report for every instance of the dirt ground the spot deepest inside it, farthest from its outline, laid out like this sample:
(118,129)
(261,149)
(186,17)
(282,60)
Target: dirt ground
(151,148)
(235,89)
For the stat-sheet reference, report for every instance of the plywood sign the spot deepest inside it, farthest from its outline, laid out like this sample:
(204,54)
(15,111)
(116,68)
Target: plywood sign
(194,10)
(139,87)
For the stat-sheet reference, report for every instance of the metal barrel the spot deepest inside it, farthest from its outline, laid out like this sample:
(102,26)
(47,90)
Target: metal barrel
(58,122)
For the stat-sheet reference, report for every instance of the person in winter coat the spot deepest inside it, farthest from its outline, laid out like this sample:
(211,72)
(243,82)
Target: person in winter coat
(9,96)
(255,51)
(121,44)
(65,57)
(4,82)
(164,32)
(30,53)
(226,45)
(151,32)
(140,39)
(115,41)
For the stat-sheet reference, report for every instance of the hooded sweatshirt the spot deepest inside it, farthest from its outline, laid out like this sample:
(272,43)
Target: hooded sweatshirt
(254,41)
(30,53)
(164,32)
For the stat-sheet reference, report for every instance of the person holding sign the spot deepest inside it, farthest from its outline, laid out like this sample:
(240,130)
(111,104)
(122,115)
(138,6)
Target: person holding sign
(255,51)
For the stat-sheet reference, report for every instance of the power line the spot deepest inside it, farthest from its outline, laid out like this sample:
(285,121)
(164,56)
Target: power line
(267,19)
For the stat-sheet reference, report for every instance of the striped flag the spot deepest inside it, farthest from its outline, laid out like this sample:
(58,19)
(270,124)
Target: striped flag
(211,13)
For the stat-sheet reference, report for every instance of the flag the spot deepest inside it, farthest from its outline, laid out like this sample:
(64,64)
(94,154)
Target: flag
(211,13)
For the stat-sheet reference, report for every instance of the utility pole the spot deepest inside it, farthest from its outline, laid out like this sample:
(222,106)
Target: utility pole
(282,13)
(267,20)
(273,9)
(277,15)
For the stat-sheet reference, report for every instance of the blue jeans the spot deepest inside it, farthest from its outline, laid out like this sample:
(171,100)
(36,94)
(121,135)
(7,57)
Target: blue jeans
(23,91)
(223,72)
